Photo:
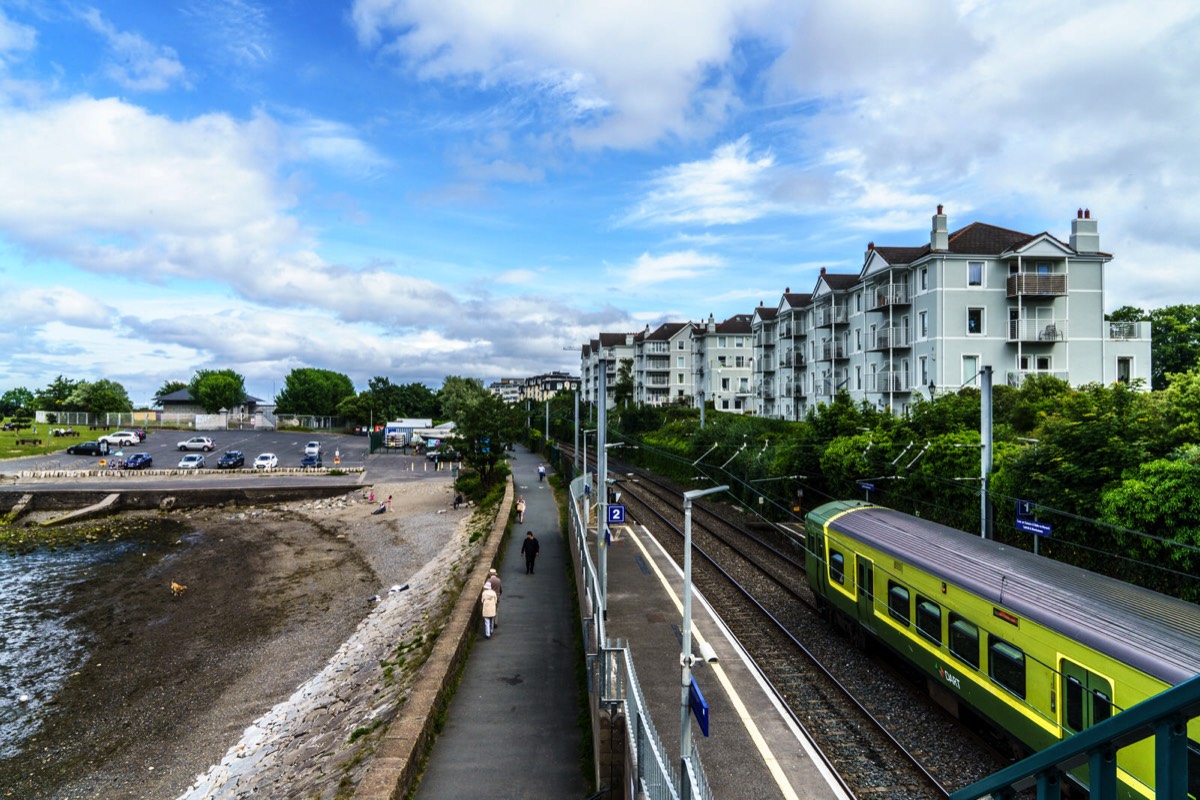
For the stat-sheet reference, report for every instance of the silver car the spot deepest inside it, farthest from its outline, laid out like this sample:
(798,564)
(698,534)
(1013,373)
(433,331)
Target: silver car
(192,461)
(198,443)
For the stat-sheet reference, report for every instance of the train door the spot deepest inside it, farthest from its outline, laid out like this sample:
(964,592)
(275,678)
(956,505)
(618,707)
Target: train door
(1086,697)
(866,593)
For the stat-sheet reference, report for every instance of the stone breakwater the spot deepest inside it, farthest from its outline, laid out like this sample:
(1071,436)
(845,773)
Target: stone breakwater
(321,738)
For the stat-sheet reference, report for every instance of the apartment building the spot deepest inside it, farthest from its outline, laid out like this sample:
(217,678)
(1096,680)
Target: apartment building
(663,365)
(917,320)
(722,363)
(609,349)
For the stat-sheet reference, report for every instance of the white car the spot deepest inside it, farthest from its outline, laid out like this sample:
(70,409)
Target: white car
(312,449)
(198,443)
(192,461)
(266,461)
(121,438)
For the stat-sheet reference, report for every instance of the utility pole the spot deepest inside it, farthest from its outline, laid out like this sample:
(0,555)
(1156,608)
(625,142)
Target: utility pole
(985,451)
(602,488)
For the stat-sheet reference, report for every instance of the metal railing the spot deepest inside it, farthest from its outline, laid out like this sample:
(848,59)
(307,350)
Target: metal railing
(1163,717)
(614,683)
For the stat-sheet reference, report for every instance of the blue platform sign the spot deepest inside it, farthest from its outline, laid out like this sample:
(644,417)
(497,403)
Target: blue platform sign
(616,514)
(699,707)
(870,487)
(1031,526)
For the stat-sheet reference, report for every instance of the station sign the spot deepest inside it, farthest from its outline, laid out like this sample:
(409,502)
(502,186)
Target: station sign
(699,707)
(1032,526)
(616,515)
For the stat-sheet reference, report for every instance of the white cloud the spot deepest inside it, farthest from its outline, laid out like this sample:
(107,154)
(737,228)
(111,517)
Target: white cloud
(626,74)
(727,189)
(237,29)
(136,63)
(679,267)
(15,38)
(36,307)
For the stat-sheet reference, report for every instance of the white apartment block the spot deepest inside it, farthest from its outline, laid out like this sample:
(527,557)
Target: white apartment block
(926,319)
(723,359)
(663,371)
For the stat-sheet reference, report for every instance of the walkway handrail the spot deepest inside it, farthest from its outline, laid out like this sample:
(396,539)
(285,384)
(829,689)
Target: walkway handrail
(1164,716)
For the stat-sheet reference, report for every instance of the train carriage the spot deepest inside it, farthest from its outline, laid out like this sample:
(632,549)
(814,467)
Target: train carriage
(1039,648)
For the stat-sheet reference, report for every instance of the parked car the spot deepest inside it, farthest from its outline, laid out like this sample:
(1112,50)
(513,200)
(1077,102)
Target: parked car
(192,461)
(311,461)
(231,459)
(139,461)
(121,438)
(87,449)
(266,461)
(198,443)
(442,455)
(312,449)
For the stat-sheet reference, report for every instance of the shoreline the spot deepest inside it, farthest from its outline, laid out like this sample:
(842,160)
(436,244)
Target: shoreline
(171,683)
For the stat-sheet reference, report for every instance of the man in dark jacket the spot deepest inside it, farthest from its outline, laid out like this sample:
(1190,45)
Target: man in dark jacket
(530,549)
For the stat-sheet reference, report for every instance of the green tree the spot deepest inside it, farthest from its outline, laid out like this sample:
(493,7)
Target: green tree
(1174,342)
(14,400)
(100,397)
(56,396)
(308,390)
(215,389)
(623,390)
(1181,404)
(418,400)
(485,427)
(167,388)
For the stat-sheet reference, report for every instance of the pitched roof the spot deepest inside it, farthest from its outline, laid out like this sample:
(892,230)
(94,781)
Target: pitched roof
(840,280)
(738,323)
(976,239)
(665,331)
(796,299)
(185,396)
(614,339)
(766,313)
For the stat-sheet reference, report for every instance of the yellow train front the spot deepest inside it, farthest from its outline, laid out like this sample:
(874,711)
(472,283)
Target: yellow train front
(1040,649)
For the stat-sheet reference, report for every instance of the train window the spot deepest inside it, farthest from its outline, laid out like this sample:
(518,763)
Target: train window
(964,640)
(1101,707)
(929,619)
(898,602)
(837,567)
(1074,704)
(1006,665)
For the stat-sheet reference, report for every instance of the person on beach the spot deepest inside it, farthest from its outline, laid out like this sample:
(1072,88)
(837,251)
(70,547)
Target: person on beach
(493,580)
(521,509)
(530,549)
(490,601)
(389,503)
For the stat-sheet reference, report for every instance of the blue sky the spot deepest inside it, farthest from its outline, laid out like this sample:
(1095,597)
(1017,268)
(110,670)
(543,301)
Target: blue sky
(417,189)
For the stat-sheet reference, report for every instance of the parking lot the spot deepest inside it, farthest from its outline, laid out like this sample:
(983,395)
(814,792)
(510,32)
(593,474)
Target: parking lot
(163,447)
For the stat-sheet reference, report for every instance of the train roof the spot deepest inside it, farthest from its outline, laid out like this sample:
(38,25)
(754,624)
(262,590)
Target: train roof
(1157,634)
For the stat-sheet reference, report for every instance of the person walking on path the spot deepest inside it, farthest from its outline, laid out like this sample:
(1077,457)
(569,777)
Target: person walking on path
(541,472)
(521,509)
(530,549)
(493,580)
(490,601)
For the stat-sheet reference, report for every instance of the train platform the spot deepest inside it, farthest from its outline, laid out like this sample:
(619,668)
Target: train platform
(512,729)
(754,749)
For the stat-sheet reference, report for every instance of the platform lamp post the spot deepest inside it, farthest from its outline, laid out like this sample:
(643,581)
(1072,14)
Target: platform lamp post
(686,659)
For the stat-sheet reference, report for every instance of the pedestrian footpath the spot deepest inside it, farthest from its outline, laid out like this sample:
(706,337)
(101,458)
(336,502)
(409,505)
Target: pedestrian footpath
(512,728)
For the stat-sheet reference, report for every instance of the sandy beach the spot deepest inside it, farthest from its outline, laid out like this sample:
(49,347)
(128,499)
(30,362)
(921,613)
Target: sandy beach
(171,682)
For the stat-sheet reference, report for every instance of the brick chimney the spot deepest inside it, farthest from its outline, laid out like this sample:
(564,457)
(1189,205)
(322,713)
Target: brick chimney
(939,238)
(1085,235)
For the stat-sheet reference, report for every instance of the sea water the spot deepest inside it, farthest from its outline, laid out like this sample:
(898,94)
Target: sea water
(39,645)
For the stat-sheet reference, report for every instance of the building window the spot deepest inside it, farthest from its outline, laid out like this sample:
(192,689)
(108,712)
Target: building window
(724,384)
(739,361)
(724,405)
(858,301)
(721,360)
(858,339)
(858,378)
(975,273)
(924,279)
(975,321)
(721,341)
(924,372)
(1124,369)
(680,378)
(680,362)
(680,344)
(739,341)
(923,323)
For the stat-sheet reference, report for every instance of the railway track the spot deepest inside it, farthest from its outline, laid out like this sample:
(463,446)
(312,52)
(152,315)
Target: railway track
(879,732)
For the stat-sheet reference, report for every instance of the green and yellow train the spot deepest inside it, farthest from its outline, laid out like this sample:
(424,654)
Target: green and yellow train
(1038,648)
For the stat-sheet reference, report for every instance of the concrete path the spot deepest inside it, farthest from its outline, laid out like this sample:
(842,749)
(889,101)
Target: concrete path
(512,729)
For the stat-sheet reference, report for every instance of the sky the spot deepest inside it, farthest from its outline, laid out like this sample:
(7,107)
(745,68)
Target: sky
(422,188)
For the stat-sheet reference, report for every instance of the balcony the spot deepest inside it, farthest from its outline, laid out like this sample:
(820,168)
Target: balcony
(884,297)
(1129,331)
(1037,330)
(1028,284)
(787,359)
(658,347)
(886,382)
(823,389)
(827,317)
(888,338)
(831,351)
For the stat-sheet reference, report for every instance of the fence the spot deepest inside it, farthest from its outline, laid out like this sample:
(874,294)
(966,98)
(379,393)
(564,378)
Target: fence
(613,684)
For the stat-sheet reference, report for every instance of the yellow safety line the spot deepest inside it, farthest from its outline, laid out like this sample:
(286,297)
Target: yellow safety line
(743,713)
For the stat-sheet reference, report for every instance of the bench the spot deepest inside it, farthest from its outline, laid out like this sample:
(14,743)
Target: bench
(29,441)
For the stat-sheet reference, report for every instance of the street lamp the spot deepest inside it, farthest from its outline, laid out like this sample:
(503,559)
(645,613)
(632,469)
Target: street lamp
(686,659)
